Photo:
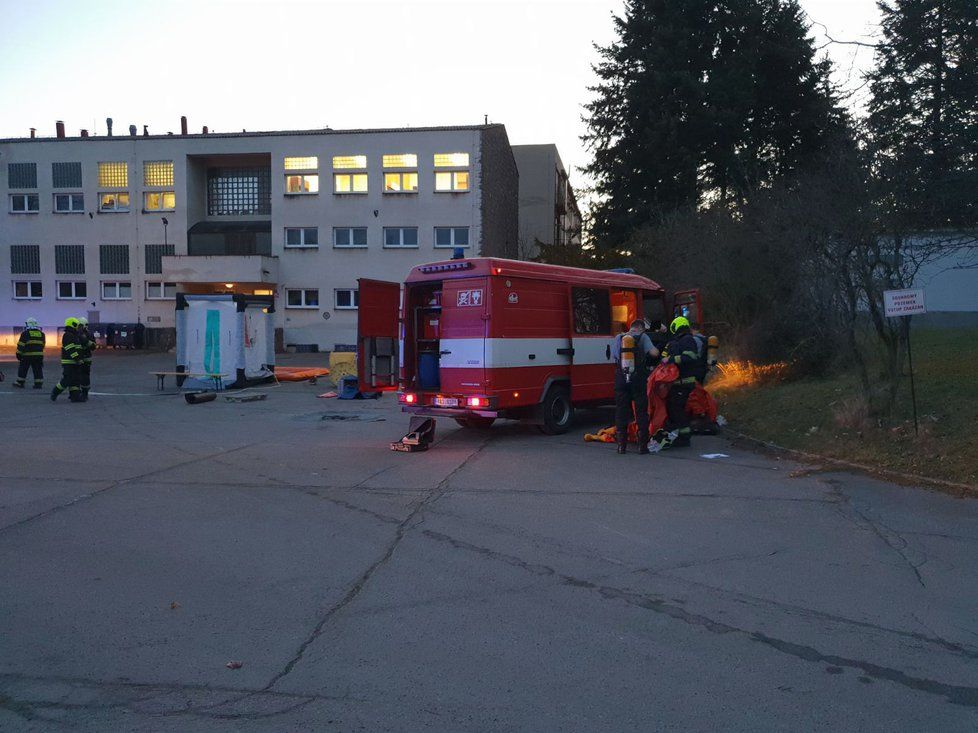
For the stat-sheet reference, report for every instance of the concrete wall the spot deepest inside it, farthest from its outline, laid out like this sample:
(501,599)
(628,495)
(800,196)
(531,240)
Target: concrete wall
(541,171)
(499,186)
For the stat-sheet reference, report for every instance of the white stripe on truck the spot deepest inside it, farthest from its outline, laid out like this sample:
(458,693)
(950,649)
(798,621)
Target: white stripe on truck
(504,353)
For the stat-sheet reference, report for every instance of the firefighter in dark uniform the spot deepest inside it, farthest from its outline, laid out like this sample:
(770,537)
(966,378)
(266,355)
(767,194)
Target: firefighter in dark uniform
(85,370)
(71,350)
(30,354)
(631,383)
(683,351)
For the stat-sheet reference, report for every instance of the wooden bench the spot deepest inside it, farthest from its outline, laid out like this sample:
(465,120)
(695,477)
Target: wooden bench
(217,378)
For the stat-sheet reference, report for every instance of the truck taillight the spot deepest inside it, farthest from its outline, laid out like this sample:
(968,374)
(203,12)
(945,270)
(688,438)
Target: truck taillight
(408,398)
(477,402)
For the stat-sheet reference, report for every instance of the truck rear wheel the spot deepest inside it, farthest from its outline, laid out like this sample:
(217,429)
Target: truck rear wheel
(558,412)
(475,422)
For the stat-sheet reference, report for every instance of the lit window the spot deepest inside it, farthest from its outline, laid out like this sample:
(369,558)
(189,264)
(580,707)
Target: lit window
(349,162)
(452,181)
(72,290)
(69,203)
(451,160)
(301,298)
(157,173)
(400,183)
(403,160)
(395,237)
(159,201)
(309,163)
(451,236)
(350,237)
(113,175)
(116,291)
(301,237)
(28,290)
(349,183)
(113,202)
(299,185)
(161,291)
(347,299)
(24,203)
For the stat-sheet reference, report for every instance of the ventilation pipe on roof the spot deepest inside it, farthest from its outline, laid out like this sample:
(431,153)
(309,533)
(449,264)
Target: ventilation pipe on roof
(108,126)
(33,132)
(183,125)
(84,133)
(205,129)
(132,130)
(145,130)
(59,127)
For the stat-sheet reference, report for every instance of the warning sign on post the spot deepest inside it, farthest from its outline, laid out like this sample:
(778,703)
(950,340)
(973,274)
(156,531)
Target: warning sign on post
(903,302)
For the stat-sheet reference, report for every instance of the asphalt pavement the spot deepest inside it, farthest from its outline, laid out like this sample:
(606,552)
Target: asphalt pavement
(273,566)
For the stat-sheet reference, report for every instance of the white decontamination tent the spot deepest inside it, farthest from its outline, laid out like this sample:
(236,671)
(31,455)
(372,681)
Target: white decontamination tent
(231,335)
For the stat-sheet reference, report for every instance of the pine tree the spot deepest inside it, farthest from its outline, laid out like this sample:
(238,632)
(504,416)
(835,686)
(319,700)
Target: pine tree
(699,102)
(924,111)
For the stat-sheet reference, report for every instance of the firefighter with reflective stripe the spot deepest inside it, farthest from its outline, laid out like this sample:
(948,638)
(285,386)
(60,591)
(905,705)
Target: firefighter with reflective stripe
(632,351)
(683,351)
(71,359)
(30,354)
(85,370)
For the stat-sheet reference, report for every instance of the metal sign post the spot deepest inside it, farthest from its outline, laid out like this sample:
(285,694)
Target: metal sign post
(904,304)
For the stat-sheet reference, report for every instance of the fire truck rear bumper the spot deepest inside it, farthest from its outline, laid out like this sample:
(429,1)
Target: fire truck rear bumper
(447,411)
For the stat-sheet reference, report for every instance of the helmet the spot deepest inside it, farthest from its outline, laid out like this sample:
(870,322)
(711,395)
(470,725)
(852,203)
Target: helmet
(31,323)
(82,321)
(677,323)
(71,322)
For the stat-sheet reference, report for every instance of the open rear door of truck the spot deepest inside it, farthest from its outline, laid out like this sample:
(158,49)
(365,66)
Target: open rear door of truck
(378,331)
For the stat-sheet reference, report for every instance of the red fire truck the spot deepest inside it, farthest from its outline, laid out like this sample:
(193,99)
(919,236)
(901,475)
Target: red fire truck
(482,338)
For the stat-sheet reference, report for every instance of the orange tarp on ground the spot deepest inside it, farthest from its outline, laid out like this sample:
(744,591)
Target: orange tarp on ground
(299,374)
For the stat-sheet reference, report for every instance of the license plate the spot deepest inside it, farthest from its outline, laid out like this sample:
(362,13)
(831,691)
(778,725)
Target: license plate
(446,401)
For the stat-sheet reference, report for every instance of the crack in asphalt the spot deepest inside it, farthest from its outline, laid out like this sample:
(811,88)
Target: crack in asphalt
(847,507)
(118,483)
(956,694)
(26,708)
(413,519)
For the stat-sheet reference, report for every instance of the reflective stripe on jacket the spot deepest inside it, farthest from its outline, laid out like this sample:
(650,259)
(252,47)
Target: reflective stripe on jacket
(31,343)
(71,348)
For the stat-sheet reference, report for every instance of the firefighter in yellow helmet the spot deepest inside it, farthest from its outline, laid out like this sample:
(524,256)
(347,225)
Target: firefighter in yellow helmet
(71,361)
(632,351)
(85,368)
(683,351)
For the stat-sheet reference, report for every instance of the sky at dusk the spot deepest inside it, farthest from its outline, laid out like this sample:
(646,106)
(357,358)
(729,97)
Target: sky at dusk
(240,64)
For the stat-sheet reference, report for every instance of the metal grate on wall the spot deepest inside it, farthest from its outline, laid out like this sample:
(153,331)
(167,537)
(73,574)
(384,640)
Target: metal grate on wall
(66,175)
(113,259)
(25,259)
(154,257)
(21,175)
(158,173)
(69,259)
(239,191)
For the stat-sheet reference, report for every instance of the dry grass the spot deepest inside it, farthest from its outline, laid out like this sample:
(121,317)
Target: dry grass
(829,416)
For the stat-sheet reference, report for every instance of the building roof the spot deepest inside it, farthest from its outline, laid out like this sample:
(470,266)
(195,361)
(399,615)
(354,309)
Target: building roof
(261,133)
(484,266)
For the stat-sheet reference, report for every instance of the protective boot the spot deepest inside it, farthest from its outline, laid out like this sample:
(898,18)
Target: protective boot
(19,383)
(622,448)
(643,444)
(55,392)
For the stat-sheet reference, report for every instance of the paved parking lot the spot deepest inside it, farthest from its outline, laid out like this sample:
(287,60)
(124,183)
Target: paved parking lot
(502,581)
